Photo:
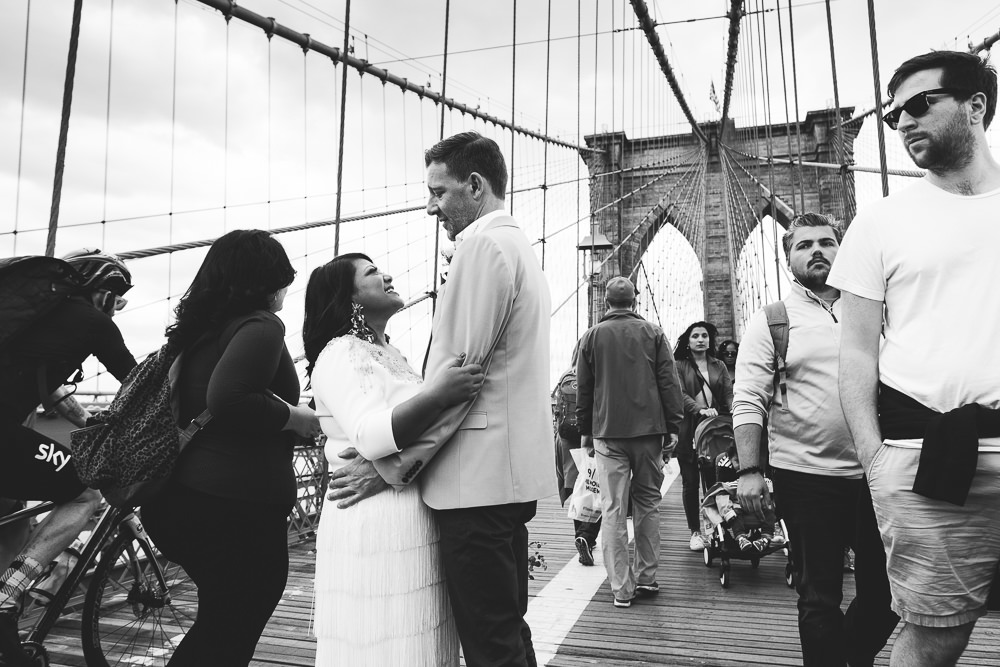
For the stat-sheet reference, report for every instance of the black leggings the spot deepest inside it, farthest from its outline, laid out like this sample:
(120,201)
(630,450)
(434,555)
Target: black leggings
(691,492)
(237,554)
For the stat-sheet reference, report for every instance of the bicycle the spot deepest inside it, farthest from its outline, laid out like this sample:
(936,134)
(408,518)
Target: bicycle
(137,606)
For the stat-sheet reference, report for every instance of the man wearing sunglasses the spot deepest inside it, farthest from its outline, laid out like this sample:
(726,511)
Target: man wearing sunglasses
(920,268)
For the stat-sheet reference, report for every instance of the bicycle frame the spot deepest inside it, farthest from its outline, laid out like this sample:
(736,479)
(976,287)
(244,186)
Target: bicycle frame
(111,518)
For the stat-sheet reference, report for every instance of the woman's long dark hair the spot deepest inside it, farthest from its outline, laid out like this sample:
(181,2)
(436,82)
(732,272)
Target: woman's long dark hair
(683,349)
(329,297)
(240,273)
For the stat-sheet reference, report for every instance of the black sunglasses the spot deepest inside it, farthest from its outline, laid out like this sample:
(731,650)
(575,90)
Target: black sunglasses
(918,105)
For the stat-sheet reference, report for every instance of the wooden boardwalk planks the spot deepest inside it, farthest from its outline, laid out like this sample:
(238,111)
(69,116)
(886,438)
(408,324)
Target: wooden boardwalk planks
(693,621)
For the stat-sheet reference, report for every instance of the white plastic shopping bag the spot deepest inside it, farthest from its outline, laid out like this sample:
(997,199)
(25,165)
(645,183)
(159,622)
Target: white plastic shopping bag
(585,503)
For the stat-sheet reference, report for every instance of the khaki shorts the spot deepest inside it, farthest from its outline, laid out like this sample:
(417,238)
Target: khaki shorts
(941,558)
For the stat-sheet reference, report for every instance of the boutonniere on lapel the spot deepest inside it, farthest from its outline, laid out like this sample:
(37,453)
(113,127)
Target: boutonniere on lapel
(447,251)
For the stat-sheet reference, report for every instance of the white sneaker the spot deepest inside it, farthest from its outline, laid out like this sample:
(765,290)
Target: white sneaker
(697,542)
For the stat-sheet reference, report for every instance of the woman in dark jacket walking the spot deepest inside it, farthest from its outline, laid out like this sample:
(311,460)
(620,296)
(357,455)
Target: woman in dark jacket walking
(223,516)
(707,390)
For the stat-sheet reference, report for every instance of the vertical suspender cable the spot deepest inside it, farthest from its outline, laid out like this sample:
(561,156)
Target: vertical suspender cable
(107,118)
(444,73)
(579,138)
(784,89)
(343,119)
(513,105)
(841,145)
(67,105)
(770,151)
(798,125)
(173,147)
(545,145)
(20,136)
(435,277)
(270,35)
(225,139)
(878,99)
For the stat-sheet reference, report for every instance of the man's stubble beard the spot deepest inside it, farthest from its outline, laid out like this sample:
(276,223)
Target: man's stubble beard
(951,150)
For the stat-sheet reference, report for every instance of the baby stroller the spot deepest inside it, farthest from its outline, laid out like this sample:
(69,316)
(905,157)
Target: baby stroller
(715,445)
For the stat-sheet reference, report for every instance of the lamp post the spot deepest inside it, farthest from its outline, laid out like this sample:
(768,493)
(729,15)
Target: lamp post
(594,248)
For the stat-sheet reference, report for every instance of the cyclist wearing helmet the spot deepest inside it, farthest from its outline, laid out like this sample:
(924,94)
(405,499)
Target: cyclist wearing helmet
(34,466)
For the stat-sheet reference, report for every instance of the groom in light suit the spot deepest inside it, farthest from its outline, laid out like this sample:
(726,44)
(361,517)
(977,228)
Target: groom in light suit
(483,465)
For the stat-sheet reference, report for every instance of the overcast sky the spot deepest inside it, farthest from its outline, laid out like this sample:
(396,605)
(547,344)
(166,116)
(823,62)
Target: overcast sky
(175,145)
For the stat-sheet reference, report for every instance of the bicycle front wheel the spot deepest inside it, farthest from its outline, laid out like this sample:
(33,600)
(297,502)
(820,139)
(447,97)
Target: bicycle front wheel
(131,616)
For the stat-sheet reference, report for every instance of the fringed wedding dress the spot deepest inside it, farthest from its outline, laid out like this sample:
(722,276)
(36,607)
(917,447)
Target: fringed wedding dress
(381,598)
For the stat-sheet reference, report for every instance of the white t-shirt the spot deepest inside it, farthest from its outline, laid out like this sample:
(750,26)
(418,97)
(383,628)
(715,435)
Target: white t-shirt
(356,386)
(933,258)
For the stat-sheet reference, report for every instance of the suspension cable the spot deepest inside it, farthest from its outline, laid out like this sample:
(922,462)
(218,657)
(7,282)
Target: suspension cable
(343,122)
(878,98)
(364,67)
(840,143)
(545,147)
(20,136)
(798,124)
(67,104)
(648,26)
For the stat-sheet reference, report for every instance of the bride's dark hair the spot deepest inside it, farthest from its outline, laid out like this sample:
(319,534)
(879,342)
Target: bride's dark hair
(328,304)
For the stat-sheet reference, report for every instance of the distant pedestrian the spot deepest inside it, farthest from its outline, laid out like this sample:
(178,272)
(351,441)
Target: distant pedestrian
(630,410)
(728,350)
(708,392)
(817,478)
(567,438)
(920,267)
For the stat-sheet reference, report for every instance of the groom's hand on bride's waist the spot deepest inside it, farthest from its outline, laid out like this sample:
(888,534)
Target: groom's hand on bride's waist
(355,481)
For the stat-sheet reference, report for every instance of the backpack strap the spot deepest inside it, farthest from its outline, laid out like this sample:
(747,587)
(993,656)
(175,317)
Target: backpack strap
(777,323)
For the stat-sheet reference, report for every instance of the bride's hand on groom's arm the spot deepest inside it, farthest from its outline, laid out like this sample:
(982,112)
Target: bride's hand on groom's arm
(355,481)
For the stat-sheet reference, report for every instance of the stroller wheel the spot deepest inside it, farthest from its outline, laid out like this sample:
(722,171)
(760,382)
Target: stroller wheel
(791,576)
(755,563)
(724,577)
(707,553)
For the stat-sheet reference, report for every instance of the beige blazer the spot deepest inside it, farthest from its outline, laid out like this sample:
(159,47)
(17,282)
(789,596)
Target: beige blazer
(496,449)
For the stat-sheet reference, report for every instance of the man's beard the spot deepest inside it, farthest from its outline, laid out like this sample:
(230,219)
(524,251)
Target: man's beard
(815,279)
(952,149)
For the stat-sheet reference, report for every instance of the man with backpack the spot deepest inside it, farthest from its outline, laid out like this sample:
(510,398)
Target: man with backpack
(567,439)
(43,340)
(787,371)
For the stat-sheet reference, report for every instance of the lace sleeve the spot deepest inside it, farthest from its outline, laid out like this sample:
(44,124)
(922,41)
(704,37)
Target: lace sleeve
(352,385)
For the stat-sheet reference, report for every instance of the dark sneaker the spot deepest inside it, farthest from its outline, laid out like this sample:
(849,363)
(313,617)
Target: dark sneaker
(744,543)
(10,641)
(647,589)
(762,543)
(623,604)
(586,553)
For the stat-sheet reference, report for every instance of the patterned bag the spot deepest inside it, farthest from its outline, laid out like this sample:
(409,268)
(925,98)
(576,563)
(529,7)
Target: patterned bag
(129,450)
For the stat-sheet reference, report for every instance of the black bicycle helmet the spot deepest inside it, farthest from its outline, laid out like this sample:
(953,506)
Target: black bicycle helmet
(100,270)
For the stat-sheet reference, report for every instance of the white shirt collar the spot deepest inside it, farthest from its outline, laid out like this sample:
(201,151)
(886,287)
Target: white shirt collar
(478,224)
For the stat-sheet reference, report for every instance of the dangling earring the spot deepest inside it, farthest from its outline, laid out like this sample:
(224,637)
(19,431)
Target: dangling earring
(359,327)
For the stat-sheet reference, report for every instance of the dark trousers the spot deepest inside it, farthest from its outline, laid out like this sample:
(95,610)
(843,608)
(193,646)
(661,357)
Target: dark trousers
(822,517)
(485,556)
(237,554)
(690,492)
(588,531)
(869,620)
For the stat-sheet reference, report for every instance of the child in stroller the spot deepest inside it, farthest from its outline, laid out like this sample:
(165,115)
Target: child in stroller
(724,522)
(720,506)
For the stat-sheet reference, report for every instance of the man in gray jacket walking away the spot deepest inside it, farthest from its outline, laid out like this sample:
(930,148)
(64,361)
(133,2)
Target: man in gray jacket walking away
(628,402)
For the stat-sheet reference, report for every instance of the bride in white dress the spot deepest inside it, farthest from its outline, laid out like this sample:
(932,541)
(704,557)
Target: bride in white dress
(381,598)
